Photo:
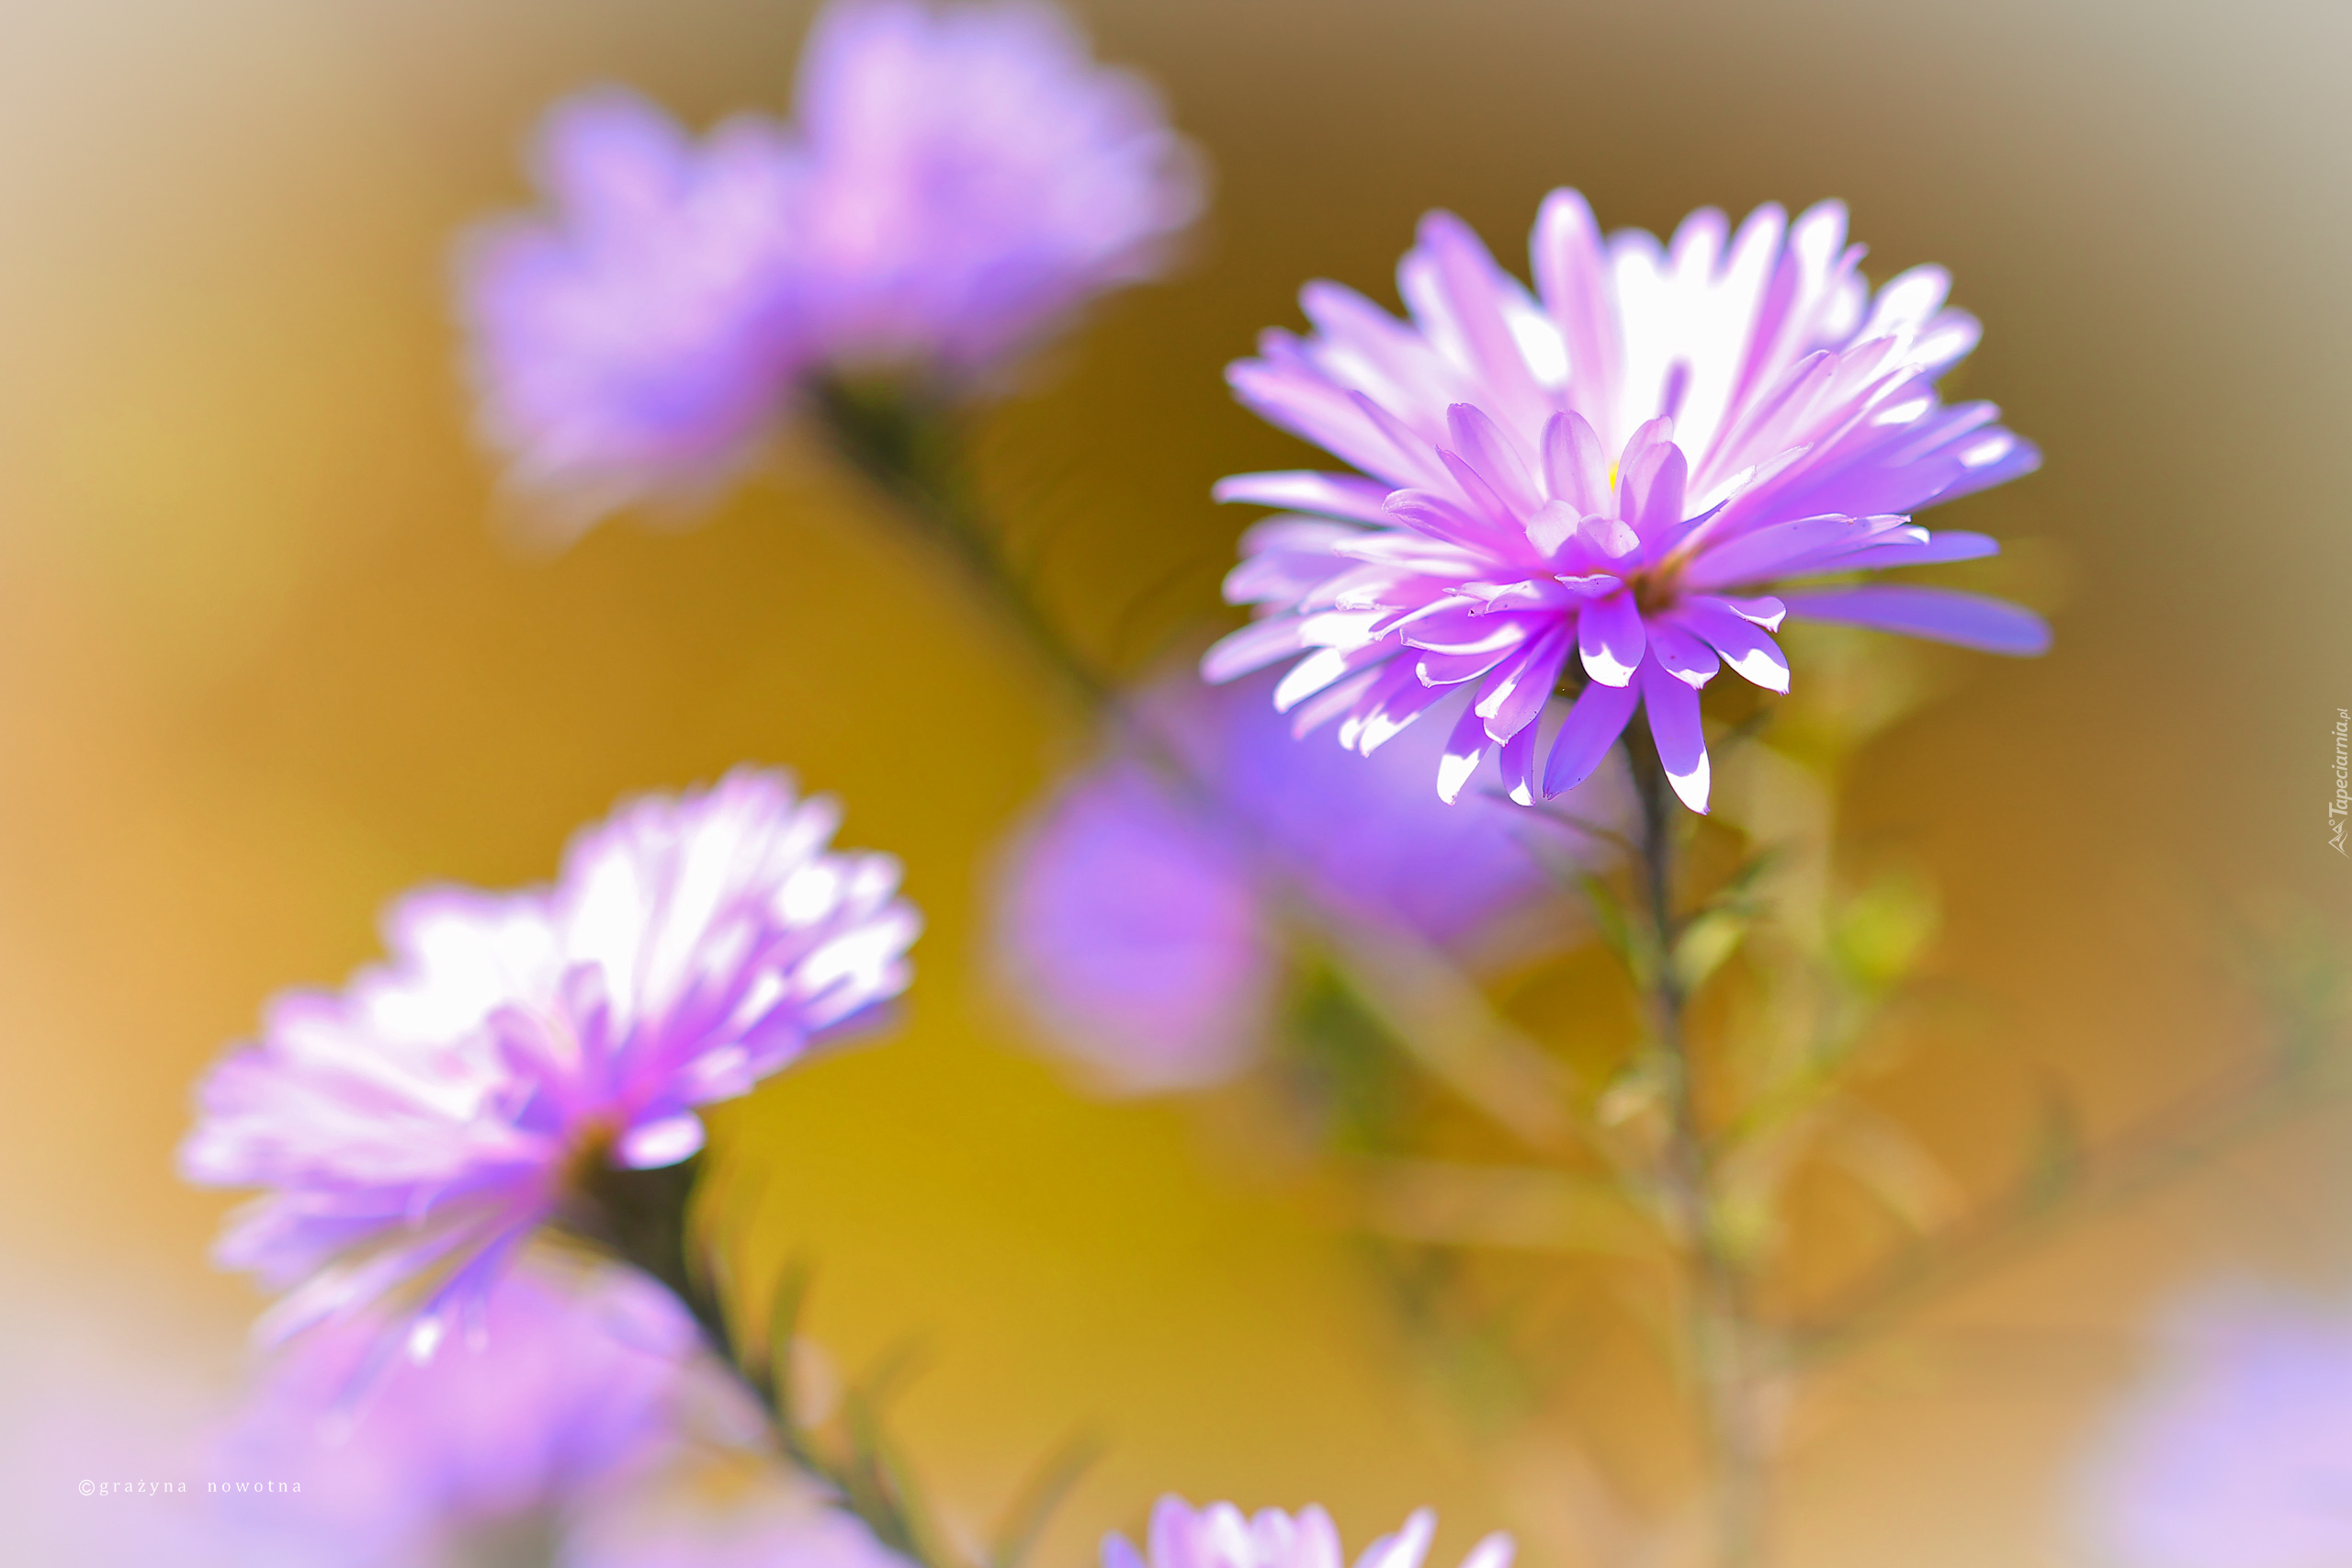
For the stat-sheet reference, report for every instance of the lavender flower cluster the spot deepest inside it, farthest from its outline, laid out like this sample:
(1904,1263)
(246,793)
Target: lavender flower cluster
(957,184)
(1564,507)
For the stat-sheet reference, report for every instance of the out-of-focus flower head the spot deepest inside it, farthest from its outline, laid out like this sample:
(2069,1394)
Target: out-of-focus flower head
(2238,1454)
(1132,930)
(1221,1536)
(574,1382)
(634,344)
(961,180)
(1608,473)
(1142,916)
(415,1128)
(977,179)
(588,1399)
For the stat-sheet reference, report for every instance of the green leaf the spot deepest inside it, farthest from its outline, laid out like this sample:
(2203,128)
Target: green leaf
(1631,1094)
(1878,935)
(2055,1161)
(1608,914)
(1705,942)
(1026,1520)
(784,1326)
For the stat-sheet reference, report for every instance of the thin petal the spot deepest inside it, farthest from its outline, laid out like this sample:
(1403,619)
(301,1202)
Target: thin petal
(1440,519)
(1399,697)
(1515,697)
(1254,647)
(1685,656)
(1744,645)
(1768,552)
(1485,448)
(1334,495)
(1551,526)
(1944,544)
(1576,466)
(1940,614)
(1463,751)
(1653,489)
(1592,726)
(1518,762)
(1322,708)
(1572,276)
(1673,710)
(1464,627)
(1320,669)
(1763,609)
(1406,1548)
(1610,636)
(650,1144)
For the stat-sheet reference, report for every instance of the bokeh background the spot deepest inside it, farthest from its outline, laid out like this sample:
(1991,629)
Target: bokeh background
(264,662)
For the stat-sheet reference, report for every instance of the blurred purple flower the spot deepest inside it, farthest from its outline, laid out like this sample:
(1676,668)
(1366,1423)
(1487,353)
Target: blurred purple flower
(961,180)
(588,1389)
(1131,929)
(417,1126)
(634,344)
(976,178)
(1141,919)
(2239,1454)
(1607,472)
(1221,1536)
(572,1385)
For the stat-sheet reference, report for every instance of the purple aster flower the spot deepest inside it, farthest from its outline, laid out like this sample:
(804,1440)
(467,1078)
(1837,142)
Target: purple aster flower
(587,1405)
(976,177)
(573,1384)
(1221,1536)
(1610,472)
(1133,931)
(413,1129)
(2239,1454)
(1141,919)
(633,345)
(961,180)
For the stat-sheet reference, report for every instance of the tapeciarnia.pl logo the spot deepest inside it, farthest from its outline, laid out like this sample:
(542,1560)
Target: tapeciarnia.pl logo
(2341,806)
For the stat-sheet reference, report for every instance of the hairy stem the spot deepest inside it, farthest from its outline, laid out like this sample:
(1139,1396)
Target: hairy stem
(1723,1337)
(641,1217)
(909,449)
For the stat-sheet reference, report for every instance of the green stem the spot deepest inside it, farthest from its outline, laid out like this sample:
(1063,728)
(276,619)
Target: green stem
(1723,1337)
(641,1217)
(908,448)
(2169,1144)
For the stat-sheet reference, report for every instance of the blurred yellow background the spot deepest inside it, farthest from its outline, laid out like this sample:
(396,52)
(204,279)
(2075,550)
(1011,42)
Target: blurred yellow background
(264,663)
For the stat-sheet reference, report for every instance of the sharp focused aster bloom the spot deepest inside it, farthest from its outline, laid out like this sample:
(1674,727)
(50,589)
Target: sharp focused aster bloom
(1616,473)
(2239,1454)
(633,344)
(1143,922)
(1221,1536)
(960,180)
(976,177)
(413,1129)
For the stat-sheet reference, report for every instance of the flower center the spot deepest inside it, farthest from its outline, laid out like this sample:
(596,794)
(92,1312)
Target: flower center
(588,1154)
(1654,588)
